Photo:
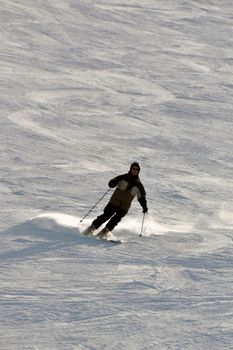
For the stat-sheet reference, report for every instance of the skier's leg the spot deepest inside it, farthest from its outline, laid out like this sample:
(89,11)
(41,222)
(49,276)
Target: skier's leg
(109,210)
(120,213)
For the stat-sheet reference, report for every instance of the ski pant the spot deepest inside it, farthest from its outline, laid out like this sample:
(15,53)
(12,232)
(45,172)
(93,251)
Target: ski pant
(111,212)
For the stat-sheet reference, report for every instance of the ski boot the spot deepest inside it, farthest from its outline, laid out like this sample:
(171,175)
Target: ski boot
(89,231)
(103,234)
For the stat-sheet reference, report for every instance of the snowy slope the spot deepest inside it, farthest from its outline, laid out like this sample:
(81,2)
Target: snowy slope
(87,87)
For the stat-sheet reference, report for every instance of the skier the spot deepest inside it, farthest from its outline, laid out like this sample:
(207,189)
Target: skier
(127,187)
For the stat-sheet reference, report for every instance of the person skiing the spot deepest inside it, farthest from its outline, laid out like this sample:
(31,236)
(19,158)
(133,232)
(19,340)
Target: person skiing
(128,186)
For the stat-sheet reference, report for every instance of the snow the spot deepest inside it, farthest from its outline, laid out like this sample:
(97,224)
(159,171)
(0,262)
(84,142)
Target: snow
(87,87)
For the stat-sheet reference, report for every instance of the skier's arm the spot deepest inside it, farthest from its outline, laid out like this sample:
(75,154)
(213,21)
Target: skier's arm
(114,182)
(143,202)
(142,198)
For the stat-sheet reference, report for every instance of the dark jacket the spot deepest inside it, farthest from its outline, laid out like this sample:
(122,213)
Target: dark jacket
(128,187)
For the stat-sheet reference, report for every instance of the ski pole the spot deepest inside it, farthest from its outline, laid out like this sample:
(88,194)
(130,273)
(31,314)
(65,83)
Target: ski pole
(95,204)
(143,219)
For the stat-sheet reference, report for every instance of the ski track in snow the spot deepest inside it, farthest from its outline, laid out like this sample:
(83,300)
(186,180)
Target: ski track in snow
(128,288)
(87,87)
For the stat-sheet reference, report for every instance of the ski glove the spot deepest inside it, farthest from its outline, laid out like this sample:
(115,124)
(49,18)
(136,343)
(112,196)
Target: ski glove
(112,183)
(145,210)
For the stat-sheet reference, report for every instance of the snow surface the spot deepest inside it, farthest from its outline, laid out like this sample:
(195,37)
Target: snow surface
(87,87)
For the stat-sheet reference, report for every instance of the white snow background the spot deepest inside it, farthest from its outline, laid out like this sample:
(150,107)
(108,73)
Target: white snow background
(87,87)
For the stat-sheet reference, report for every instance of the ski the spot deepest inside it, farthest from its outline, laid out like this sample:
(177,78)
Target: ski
(115,241)
(110,239)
